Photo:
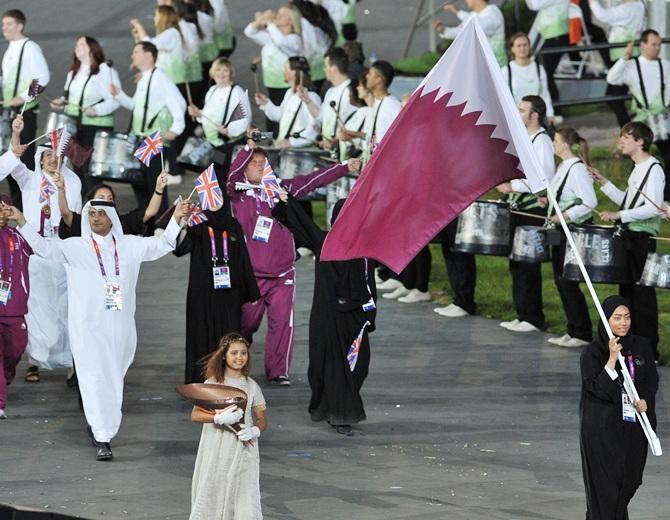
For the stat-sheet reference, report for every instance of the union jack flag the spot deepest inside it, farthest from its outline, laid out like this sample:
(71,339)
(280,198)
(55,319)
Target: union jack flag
(46,190)
(355,348)
(197,217)
(151,146)
(269,185)
(59,139)
(209,191)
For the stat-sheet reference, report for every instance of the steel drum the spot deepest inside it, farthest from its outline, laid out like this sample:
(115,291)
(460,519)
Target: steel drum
(197,154)
(5,130)
(603,253)
(660,126)
(61,120)
(484,228)
(298,161)
(656,271)
(529,244)
(113,158)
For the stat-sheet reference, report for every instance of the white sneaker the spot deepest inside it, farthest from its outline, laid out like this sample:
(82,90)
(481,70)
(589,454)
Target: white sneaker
(389,285)
(3,415)
(559,341)
(451,311)
(305,253)
(378,280)
(508,324)
(415,296)
(397,293)
(523,326)
(574,343)
(174,180)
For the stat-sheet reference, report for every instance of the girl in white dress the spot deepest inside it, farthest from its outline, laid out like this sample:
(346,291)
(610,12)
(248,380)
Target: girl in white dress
(226,475)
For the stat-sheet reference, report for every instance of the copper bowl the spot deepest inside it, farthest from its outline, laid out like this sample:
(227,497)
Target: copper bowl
(213,396)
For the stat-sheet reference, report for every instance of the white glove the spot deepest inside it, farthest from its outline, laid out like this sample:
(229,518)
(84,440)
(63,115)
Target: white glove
(248,433)
(230,415)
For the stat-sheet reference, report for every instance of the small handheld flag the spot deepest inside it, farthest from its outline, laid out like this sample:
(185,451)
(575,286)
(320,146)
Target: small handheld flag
(355,348)
(197,217)
(46,190)
(269,185)
(59,140)
(208,189)
(151,146)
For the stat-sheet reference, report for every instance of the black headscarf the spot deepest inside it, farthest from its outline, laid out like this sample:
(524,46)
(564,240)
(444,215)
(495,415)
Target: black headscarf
(609,306)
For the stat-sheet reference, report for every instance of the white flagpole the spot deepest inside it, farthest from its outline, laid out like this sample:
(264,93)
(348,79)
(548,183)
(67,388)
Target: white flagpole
(629,385)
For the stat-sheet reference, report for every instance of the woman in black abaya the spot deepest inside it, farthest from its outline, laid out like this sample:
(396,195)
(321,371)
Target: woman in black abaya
(343,311)
(614,450)
(212,312)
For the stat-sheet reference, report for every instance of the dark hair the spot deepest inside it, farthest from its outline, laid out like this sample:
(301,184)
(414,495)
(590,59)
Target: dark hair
(17,14)
(386,70)
(260,151)
(578,145)
(354,52)
(90,194)
(301,65)
(189,11)
(638,131)
(339,59)
(646,33)
(149,47)
(215,363)
(354,98)
(538,106)
(318,16)
(205,6)
(350,32)
(97,56)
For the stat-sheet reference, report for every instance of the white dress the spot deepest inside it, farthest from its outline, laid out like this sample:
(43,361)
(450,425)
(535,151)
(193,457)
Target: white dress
(226,475)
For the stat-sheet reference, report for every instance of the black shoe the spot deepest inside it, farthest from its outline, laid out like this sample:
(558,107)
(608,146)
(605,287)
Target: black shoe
(344,429)
(280,380)
(72,381)
(103,450)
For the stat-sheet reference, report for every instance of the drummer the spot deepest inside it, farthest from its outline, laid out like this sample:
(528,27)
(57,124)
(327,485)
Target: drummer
(22,62)
(527,276)
(640,221)
(576,198)
(156,105)
(220,124)
(88,97)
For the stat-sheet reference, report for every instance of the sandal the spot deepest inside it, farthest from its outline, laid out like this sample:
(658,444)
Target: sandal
(32,375)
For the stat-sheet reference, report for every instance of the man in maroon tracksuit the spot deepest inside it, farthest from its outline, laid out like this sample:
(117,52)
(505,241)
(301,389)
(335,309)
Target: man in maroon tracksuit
(272,252)
(14,288)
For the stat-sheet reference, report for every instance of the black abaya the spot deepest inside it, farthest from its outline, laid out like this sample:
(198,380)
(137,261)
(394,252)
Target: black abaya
(614,452)
(211,313)
(337,317)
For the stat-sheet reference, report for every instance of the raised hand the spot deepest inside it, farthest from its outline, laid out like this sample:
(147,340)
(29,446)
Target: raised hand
(354,165)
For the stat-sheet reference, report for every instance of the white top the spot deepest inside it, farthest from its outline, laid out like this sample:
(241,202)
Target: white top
(315,42)
(33,66)
(221,17)
(578,185)
(337,9)
(623,19)
(97,94)
(206,23)
(327,119)
(385,111)
(544,149)
(215,107)
(277,48)
(191,43)
(304,123)
(653,188)
(492,22)
(530,80)
(163,94)
(624,72)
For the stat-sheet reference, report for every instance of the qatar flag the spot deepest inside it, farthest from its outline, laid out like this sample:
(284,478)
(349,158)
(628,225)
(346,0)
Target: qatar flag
(459,135)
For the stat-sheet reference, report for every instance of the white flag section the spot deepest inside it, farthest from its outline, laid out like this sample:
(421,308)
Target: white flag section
(484,91)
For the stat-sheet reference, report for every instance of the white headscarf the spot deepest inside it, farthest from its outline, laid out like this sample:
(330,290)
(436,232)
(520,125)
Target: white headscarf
(108,208)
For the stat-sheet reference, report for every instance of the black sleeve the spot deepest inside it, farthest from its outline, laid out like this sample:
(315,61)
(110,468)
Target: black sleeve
(305,231)
(249,291)
(595,379)
(185,246)
(73,230)
(133,222)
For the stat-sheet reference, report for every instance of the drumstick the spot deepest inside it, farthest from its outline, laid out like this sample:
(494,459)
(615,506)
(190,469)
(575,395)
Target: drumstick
(531,215)
(328,159)
(37,138)
(664,239)
(333,105)
(254,69)
(649,199)
(599,213)
(188,95)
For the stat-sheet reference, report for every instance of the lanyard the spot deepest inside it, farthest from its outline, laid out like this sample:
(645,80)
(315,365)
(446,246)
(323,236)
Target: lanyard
(212,245)
(257,196)
(102,266)
(366,277)
(631,366)
(12,247)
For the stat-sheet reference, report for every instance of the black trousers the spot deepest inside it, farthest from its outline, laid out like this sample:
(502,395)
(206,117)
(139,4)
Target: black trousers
(527,278)
(276,95)
(550,62)
(573,300)
(618,107)
(644,311)
(664,150)
(145,189)
(28,158)
(461,270)
(86,137)
(417,273)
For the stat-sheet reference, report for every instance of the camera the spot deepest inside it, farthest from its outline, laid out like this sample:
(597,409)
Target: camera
(257,136)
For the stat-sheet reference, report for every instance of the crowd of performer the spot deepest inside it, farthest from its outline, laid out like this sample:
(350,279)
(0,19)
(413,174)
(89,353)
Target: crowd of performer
(69,268)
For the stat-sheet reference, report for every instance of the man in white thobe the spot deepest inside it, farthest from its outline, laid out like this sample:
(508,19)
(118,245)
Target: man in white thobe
(102,269)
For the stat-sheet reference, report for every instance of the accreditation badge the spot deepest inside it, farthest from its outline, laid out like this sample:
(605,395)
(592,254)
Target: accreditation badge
(262,229)
(5,292)
(113,296)
(221,276)
(628,408)
(370,305)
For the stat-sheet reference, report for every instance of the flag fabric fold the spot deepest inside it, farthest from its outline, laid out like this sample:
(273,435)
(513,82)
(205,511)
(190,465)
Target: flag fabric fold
(459,135)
